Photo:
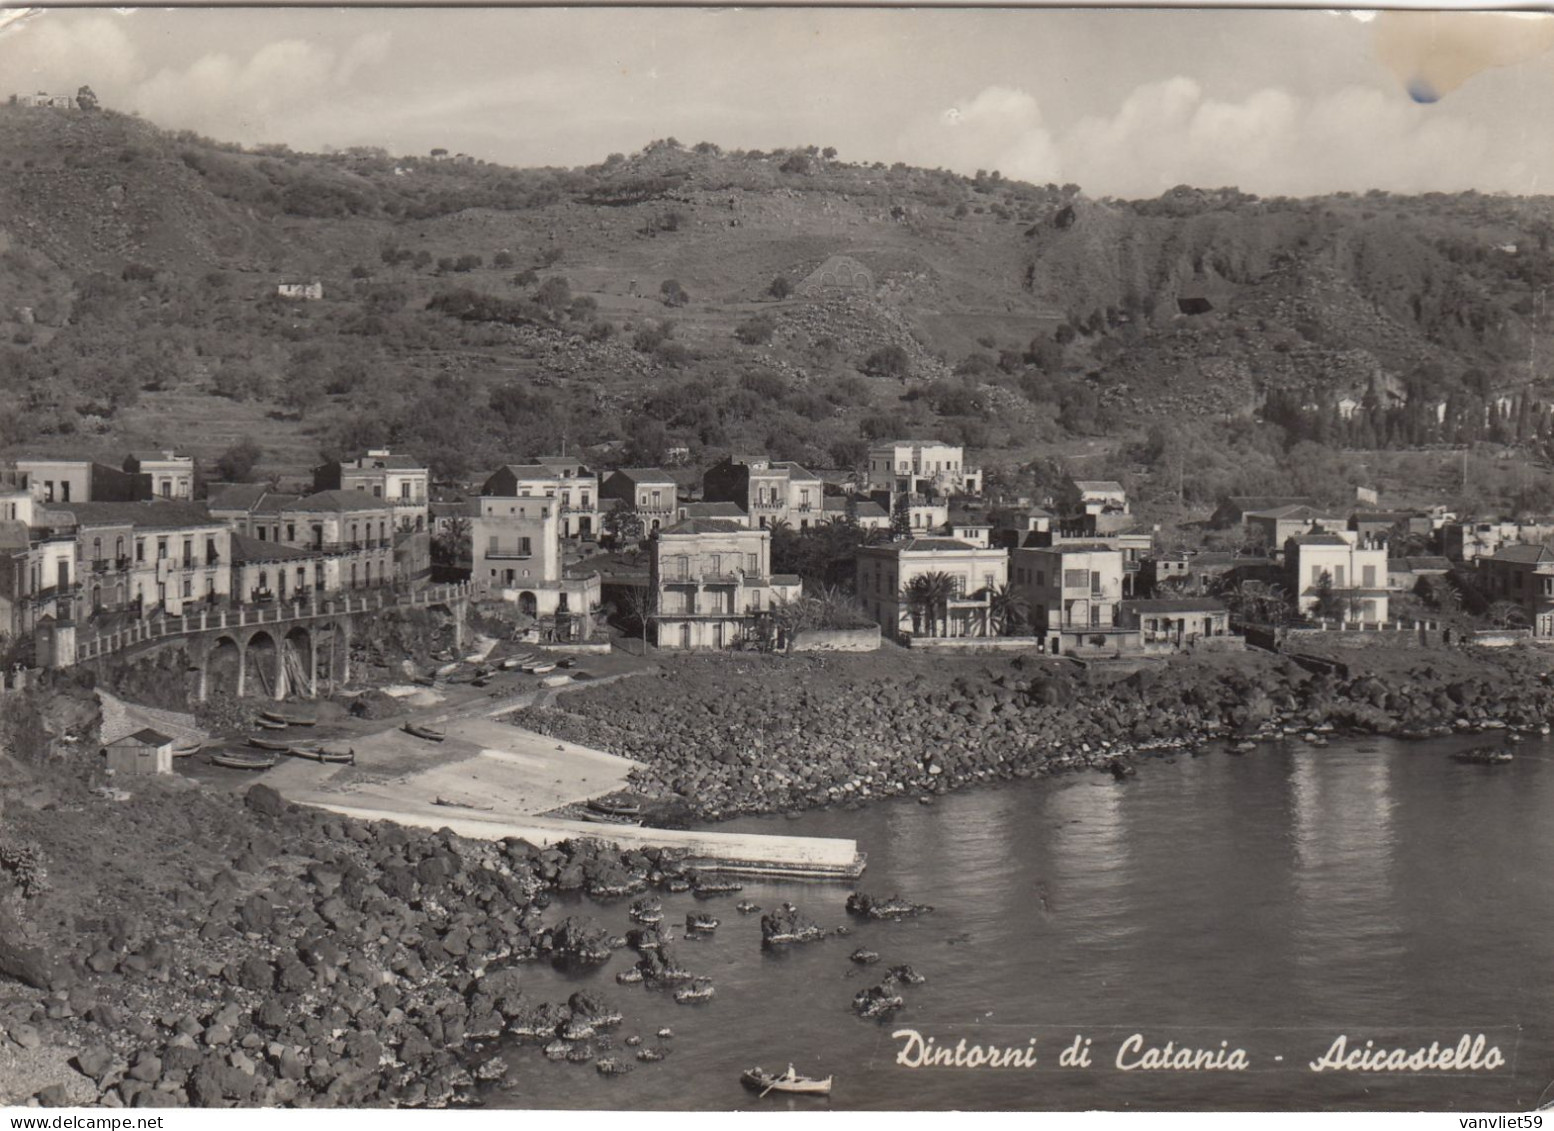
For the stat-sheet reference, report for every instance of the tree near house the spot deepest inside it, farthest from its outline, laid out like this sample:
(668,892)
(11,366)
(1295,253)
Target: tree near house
(928,597)
(641,606)
(901,517)
(451,545)
(236,464)
(1009,612)
(623,526)
(1329,605)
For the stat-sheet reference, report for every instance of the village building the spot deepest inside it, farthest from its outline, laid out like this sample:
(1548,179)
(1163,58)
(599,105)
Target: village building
(970,575)
(712,584)
(16,504)
(157,557)
(400,481)
(170,475)
(1341,572)
(1101,496)
(1273,528)
(1405,574)
(1127,538)
(1074,591)
(1013,525)
(574,487)
(1469,539)
(971,528)
(52,480)
(1176,622)
(855,508)
(349,532)
(145,752)
(1524,576)
(516,556)
(1159,573)
(1233,509)
(769,491)
(921,467)
(650,491)
(726,512)
(1382,526)
(43,100)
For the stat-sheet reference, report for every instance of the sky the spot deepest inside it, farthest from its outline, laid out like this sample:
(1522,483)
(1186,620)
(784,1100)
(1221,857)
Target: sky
(1123,103)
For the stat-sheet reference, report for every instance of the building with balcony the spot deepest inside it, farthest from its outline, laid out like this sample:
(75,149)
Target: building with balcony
(400,481)
(1074,591)
(650,491)
(1337,576)
(574,487)
(769,491)
(922,467)
(712,583)
(515,546)
(1523,575)
(168,475)
(53,481)
(930,586)
(352,532)
(160,556)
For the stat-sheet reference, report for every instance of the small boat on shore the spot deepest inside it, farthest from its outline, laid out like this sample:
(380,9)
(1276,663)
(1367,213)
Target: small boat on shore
(1484,756)
(452,804)
(324,754)
(188,751)
(276,745)
(264,723)
(759,1080)
(431,734)
(610,818)
(288,718)
(242,759)
(613,806)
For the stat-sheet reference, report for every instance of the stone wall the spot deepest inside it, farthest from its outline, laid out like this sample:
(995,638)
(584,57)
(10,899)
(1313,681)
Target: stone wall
(975,643)
(837,640)
(1295,639)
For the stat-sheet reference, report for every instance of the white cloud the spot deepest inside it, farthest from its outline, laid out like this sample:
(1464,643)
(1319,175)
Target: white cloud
(61,55)
(1269,142)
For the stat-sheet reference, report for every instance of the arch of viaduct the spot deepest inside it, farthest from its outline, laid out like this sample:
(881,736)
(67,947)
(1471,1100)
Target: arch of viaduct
(285,649)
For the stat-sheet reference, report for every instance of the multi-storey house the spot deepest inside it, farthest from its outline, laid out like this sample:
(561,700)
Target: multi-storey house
(1523,575)
(711,581)
(515,545)
(158,557)
(168,475)
(922,467)
(931,586)
(574,487)
(769,491)
(1074,591)
(400,481)
(650,491)
(1338,576)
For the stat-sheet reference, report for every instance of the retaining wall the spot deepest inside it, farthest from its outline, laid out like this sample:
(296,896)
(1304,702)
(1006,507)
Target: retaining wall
(837,640)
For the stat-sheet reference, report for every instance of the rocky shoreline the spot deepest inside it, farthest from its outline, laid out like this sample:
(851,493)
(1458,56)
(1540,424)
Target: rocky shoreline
(723,738)
(327,962)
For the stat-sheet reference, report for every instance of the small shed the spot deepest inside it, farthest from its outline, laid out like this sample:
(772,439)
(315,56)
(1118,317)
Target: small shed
(144,752)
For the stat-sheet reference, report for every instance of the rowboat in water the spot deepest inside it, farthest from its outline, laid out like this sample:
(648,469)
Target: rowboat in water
(242,759)
(759,1080)
(431,734)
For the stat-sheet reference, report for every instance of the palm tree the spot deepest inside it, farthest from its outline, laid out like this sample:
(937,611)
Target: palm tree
(928,596)
(1008,609)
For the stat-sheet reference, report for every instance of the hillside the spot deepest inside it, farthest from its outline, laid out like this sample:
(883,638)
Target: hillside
(477,312)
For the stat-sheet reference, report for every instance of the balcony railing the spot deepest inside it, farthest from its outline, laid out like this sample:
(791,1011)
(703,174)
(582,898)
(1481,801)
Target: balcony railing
(709,577)
(508,555)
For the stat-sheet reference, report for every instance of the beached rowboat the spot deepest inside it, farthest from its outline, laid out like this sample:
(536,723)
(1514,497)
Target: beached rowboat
(431,734)
(242,759)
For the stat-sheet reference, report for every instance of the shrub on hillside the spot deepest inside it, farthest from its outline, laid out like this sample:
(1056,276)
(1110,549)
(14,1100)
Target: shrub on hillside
(755,331)
(674,294)
(888,361)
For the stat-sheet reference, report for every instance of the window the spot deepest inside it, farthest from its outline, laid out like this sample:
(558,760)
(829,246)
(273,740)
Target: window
(987,581)
(118,547)
(64,491)
(586,503)
(1338,577)
(656,499)
(404,490)
(261,532)
(188,587)
(161,549)
(97,549)
(753,563)
(523,547)
(495,545)
(48,490)
(1368,573)
(1095,583)
(377,490)
(1076,579)
(1316,575)
(1041,578)
(291,532)
(140,549)
(188,551)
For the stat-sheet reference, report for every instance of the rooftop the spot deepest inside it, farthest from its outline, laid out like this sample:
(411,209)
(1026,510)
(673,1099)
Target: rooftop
(1108,485)
(339,500)
(246,549)
(148,737)
(645,474)
(730,511)
(1176,605)
(1525,554)
(705,526)
(152,514)
(1320,540)
(925,545)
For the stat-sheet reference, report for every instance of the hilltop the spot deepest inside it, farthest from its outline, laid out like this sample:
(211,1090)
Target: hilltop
(673,298)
